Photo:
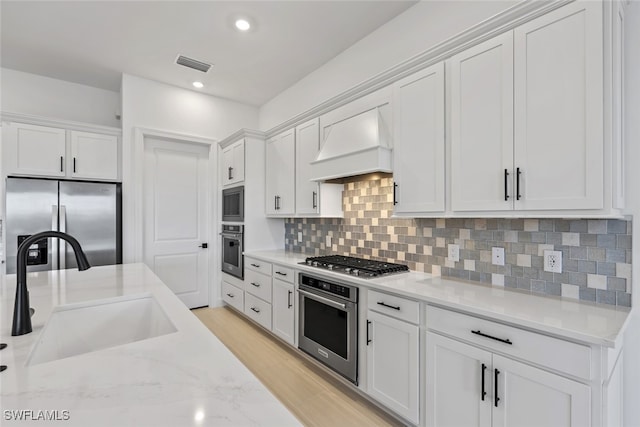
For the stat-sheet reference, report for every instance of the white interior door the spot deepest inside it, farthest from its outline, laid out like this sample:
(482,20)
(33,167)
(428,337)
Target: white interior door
(176,200)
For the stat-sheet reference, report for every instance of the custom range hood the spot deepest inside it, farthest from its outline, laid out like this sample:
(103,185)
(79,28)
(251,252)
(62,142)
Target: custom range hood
(355,145)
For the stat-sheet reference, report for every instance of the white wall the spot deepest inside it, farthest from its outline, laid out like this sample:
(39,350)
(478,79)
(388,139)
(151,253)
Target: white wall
(158,106)
(632,139)
(43,96)
(410,33)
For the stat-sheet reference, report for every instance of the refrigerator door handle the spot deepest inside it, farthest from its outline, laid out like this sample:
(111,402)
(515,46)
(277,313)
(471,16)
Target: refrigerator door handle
(53,247)
(63,245)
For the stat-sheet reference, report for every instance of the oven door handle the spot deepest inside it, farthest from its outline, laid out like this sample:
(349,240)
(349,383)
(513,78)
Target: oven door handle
(323,300)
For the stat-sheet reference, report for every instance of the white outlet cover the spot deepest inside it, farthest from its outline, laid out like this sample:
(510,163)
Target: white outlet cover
(454,252)
(553,261)
(299,236)
(497,256)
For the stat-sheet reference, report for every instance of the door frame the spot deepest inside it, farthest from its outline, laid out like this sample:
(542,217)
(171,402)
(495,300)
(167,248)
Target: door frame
(137,187)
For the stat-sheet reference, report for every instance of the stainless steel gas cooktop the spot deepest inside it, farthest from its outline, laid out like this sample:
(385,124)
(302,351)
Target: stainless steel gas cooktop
(360,267)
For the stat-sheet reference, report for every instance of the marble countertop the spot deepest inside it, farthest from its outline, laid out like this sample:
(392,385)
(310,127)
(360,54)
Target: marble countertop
(184,378)
(585,322)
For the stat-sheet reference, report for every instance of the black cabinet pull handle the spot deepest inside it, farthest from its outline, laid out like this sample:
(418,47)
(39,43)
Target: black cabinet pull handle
(506,191)
(230,174)
(280,273)
(61,164)
(257,285)
(495,387)
(518,172)
(389,306)
(506,341)
(289,293)
(315,200)
(74,165)
(255,265)
(368,339)
(395,199)
(275,203)
(230,295)
(255,309)
(204,246)
(483,393)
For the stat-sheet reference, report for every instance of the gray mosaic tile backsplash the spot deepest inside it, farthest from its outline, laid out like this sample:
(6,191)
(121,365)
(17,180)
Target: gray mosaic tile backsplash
(596,254)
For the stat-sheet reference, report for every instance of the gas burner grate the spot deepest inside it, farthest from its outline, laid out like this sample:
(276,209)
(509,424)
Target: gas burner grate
(355,266)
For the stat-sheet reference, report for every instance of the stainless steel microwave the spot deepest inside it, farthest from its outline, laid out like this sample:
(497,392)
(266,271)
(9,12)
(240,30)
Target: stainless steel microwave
(233,204)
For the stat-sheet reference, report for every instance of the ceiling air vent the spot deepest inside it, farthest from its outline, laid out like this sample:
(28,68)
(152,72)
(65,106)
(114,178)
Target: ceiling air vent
(193,63)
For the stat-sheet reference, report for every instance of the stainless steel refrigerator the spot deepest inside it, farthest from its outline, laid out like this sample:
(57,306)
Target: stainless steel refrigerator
(89,211)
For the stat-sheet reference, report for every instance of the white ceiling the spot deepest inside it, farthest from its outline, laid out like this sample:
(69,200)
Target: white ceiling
(93,42)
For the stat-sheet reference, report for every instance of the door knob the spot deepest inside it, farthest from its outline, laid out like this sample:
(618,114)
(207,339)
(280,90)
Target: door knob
(204,246)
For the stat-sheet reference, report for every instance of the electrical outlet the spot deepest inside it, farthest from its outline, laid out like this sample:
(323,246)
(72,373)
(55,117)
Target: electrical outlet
(327,241)
(299,236)
(454,252)
(553,261)
(497,256)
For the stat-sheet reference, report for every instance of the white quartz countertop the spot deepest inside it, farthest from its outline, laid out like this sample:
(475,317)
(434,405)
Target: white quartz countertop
(184,378)
(585,322)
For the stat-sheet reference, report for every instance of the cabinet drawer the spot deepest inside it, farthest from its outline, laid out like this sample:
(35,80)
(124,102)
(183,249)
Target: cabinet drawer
(258,285)
(394,306)
(257,265)
(258,310)
(233,296)
(555,353)
(283,273)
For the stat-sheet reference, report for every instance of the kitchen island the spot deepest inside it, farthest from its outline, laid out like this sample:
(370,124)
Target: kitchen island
(183,377)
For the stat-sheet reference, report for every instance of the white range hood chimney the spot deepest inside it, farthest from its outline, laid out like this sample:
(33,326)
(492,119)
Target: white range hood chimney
(356,145)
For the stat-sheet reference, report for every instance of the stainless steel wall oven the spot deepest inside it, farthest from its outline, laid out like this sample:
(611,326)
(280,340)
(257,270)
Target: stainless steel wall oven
(232,242)
(328,324)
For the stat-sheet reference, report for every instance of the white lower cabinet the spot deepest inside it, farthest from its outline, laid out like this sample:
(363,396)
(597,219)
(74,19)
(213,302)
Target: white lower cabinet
(258,310)
(233,296)
(393,373)
(283,307)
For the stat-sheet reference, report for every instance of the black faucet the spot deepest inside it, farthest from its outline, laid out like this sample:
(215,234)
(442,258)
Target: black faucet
(21,311)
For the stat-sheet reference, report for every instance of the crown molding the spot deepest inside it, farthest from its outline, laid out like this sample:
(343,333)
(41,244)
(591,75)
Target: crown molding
(7,116)
(242,133)
(491,27)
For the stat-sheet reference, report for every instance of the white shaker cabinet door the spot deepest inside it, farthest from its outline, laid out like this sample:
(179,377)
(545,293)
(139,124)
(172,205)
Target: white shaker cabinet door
(482,126)
(418,153)
(532,397)
(280,174)
(307,145)
(35,150)
(94,156)
(392,364)
(458,384)
(283,307)
(233,163)
(559,145)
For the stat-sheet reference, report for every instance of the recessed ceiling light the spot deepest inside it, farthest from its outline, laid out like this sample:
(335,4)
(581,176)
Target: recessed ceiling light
(243,24)
(199,85)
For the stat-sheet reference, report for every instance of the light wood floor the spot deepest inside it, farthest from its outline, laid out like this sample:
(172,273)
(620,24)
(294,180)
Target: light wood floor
(307,391)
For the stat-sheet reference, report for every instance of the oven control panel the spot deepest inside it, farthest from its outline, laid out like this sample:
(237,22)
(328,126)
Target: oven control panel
(344,291)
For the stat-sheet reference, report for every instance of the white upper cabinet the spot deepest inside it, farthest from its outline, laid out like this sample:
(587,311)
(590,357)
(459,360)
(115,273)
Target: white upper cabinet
(313,198)
(418,152)
(559,109)
(527,116)
(233,163)
(482,126)
(35,150)
(280,174)
(307,145)
(94,156)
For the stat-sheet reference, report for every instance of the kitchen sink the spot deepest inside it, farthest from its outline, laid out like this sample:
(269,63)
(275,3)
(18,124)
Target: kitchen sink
(83,328)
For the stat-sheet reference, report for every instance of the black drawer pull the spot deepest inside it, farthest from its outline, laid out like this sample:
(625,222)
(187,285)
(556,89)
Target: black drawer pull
(389,306)
(255,265)
(230,295)
(257,285)
(506,341)
(280,273)
(255,309)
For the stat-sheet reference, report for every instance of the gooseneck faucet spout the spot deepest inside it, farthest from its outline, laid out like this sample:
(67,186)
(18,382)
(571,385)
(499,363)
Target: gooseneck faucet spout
(21,311)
